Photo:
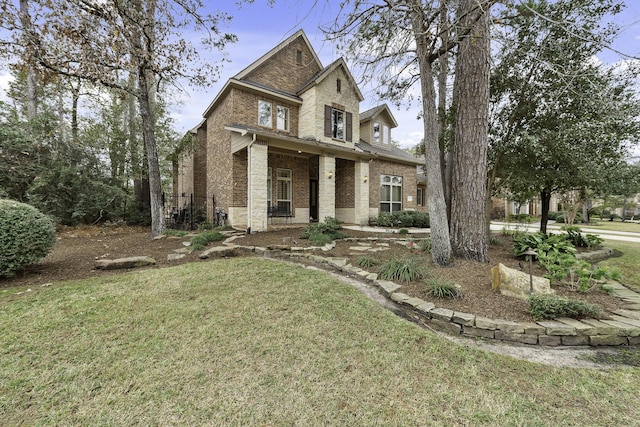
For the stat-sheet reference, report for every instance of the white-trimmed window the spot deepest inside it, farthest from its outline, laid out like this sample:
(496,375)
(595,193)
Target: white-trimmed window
(264,113)
(386,134)
(283,189)
(390,193)
(282,118)
(269,186)
(420,196)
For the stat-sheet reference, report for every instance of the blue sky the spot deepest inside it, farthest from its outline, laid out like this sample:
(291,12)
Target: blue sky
(260,27)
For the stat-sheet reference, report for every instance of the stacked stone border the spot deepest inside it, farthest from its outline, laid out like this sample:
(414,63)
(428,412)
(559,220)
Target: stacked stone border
(622,329)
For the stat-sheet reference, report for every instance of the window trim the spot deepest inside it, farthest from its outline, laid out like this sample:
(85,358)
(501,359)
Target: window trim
(269,186)
(288,202)
(420,196)
(391,184)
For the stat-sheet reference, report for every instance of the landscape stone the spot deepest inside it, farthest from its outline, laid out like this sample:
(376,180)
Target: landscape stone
(513,337)
(217,251)
(514,283)
(575,340)
(426,307)
(443,314)
(464,319)
(387,286)
(598,340)
(399,297)
(581,328)
(624,329)
(175,257)
(558,328)
(549,340)
(599,327)
(628,313)
(478,332)
(446,326)
(128,262)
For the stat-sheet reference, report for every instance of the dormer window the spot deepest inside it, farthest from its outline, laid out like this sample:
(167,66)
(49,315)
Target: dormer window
(298,57)
(376,133)
(339,85)
(386,135)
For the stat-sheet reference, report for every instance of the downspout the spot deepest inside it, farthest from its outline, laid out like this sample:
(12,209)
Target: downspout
(249,185)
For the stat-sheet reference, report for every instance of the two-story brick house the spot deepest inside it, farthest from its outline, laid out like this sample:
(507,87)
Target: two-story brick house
(284,141)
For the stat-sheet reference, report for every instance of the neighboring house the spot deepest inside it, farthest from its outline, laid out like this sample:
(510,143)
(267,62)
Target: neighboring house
(284,142)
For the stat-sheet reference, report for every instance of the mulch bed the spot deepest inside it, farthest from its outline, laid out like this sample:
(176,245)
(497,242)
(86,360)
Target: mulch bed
(77,249)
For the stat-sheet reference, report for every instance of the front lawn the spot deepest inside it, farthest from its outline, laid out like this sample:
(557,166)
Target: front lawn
(252,341)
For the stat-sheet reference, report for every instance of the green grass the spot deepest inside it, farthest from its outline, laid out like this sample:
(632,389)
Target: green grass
(209,344)
(613,226)
(627,263)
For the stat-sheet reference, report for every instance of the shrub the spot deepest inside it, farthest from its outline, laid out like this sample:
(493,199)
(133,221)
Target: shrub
(403,231)
(320,239)
(401,269)
(330,227)
(403,219)
(545,307)
(580,240)
(200,241)
(542,243)
(520,218)
(442,289)
(26,236)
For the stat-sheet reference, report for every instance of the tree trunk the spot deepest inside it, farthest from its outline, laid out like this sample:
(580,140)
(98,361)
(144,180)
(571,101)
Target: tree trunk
(440,244)
(443,74)
(155,187)
(471,97)
(545,201)
(32,84)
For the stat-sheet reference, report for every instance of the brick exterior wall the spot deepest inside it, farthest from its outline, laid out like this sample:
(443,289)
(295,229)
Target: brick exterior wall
(200,164)
(299,167)
(219,158)
(409,182)
(282,70)
(345,183)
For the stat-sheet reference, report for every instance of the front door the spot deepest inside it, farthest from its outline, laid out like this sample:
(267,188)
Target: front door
(313,200)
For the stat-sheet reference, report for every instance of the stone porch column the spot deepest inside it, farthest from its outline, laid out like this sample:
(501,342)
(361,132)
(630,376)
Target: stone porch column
(362,182)
(257,186)
(326,186)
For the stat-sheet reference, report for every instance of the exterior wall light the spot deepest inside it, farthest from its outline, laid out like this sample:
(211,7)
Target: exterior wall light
(330,174)
(366,178)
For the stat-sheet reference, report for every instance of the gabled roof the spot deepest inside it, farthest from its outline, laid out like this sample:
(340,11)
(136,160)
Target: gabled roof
(252,87)
(376,111)
(264,58)
(325,72)
(388,152)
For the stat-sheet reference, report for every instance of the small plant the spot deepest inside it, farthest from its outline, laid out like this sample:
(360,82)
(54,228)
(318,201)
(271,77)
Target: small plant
(320,239)
(425,245)
(26,236)
(401,269)
(442,289)
(580,240)
(545,307)
(200,241)
(175,233)
(403,231)
(205,226)
(494,240)
(366,261)
(329,227)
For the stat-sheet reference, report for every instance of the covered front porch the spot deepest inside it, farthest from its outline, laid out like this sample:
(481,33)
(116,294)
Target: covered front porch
(288,181)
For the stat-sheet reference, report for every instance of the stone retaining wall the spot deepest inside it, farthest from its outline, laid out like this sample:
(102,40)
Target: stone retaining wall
(622,329)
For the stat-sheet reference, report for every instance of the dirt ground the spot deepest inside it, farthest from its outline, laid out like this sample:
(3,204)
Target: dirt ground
(77,249)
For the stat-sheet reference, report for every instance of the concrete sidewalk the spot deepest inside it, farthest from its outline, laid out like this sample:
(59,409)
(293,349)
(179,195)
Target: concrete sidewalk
(626,236)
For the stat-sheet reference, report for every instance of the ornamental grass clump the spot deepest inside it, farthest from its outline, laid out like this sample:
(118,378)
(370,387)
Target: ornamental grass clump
(401,269)
(366,261)
(26,236)
(438,288)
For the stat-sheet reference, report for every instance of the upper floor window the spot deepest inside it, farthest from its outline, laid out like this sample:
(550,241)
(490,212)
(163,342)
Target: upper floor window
(338,123)
(282,118)
(298,57)
(376,132)
(339,85)
(386,134)
(264,114)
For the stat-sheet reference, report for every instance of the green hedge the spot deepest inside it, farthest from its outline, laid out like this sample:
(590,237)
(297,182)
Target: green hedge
(26,236)
(403,219)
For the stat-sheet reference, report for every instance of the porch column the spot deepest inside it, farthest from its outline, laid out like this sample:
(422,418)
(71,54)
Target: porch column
(326,186)
(362,181)
(257,186)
